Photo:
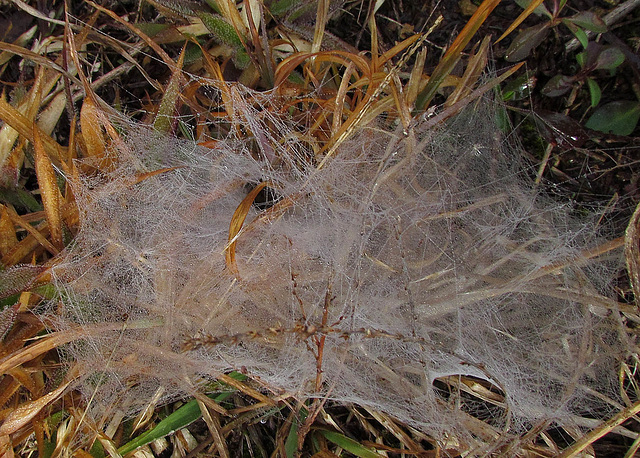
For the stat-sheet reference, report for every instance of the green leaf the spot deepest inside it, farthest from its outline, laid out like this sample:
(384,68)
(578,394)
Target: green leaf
(526,40)
(20,198)
(221,29)
(281,7)
(558,85)
(619,118)
(349,444)
(151,28)
(609,58)
(581,36)
(588,20)
(519,88)
(594,91)
(291,444)
(179,419)
(540,10)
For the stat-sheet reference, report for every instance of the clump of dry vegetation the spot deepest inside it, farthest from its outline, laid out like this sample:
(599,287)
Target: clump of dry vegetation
(226,231)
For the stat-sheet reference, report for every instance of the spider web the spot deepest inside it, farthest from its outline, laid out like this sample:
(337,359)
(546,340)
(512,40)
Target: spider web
(411,256)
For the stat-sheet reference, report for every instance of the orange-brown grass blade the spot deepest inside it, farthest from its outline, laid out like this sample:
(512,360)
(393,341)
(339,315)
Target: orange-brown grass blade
(25,412)
(8,238)
(49,191)
(91,129)
(472,73)
(25,127)
(237,220)
(37,236)
(169,102)
(289,64)
(453,54)
(459,105)
(525,14)
(143,176)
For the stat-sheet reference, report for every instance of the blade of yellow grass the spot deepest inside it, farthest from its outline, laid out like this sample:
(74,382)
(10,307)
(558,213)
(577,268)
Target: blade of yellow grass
(581,444)
(24,413)
(340,99)
(412,88)
(49,191)
(525,14)
(452,56)
(321,21)
(237,220)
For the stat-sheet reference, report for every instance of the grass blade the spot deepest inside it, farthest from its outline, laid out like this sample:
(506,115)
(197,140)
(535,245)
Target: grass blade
(349,444)
(179,419)
(452,56)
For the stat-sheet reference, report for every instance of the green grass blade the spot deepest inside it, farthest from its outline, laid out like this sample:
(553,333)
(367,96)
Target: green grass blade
(349,444)
(179,419)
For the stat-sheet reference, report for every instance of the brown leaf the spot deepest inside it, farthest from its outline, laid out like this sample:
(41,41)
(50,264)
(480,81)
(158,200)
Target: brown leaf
(24,413)
(237,220)
(8,237)
(48,189)
(91,129)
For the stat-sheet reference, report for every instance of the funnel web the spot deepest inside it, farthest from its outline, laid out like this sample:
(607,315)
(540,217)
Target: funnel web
(410,257)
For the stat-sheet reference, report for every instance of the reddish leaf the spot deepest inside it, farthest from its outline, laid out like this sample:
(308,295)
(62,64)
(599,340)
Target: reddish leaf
(558,85)
(588,20)
(525,42)
(561,130)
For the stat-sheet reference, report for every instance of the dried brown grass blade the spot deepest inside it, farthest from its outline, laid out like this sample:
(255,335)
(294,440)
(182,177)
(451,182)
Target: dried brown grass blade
(585,441)
(24,413)
(8,238)
(453,54)
(49,191)
(37,59)
(472,73)
(321,21)
(91,129)
(237,220)
(25,127)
